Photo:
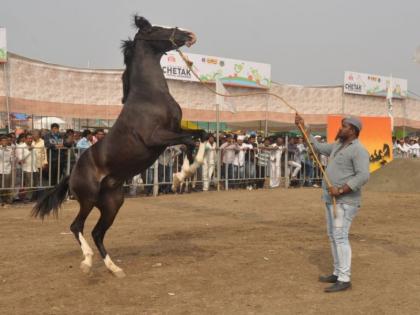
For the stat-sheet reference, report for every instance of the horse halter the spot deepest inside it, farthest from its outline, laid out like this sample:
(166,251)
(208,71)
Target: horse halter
(171,38)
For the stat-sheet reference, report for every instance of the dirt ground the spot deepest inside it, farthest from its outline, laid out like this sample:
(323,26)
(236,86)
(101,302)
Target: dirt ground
(236,252)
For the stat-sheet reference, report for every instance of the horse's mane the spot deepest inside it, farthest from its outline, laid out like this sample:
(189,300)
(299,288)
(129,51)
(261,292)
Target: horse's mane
(127,47)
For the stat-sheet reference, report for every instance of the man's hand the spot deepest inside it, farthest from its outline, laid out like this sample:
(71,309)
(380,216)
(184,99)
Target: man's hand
(333,191)
(299,120)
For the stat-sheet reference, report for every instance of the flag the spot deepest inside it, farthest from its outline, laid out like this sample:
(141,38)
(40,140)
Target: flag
(389,94)
(220,100)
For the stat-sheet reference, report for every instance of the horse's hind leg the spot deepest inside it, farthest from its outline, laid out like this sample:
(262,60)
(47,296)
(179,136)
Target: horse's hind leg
(77,229)
(110,202)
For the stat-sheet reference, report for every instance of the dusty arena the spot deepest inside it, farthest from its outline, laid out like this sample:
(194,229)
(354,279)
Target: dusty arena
(236,252)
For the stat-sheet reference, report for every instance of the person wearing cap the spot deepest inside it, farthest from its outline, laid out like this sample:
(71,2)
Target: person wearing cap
(348,171)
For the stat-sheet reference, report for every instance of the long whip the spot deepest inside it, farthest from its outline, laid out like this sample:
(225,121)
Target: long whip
(189,64)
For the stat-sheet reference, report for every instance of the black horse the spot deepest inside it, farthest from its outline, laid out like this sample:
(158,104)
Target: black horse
(149,122)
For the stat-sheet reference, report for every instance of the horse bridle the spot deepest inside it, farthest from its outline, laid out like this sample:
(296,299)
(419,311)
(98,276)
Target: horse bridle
(171,38)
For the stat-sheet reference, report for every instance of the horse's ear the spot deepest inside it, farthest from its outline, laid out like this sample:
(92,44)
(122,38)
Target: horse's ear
(143,24)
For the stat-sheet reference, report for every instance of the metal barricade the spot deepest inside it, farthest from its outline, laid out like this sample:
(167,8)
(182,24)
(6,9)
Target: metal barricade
(25,172)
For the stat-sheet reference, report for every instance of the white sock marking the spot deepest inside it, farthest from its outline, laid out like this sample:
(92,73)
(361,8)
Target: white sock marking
(87,251)
(110,264)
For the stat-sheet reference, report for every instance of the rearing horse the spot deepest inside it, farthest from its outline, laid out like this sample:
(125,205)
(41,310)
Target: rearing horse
(150,121)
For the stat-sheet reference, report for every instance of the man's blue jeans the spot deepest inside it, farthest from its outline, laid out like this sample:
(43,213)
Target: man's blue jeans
(338,232)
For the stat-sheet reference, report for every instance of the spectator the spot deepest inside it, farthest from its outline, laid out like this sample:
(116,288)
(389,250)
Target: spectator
(85,142)
(209,163)
(70,152)
(40,151)
(26,157)
(228,150)
(293,157)
(12,139)
(99,135)
(403,148)
(54,143)
(165,168)
(239,161)
(5,171)
(394,146)
(306,163)
(263,160)
(250,162)
(414,148)
(275,160)
(17,166)
(77,136)
(40,158)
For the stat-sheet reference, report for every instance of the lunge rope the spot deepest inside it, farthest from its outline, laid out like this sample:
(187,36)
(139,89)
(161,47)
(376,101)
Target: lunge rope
(189,64)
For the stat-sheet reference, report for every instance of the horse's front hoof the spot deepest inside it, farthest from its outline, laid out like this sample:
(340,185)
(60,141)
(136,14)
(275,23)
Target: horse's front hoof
(85,267)
(119,274)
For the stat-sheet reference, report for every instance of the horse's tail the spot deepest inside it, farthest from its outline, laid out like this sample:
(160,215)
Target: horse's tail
(52,199)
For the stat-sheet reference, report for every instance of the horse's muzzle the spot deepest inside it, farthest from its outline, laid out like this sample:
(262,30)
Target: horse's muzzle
(192,39)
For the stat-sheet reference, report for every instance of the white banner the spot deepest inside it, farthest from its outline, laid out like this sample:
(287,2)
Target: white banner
(3,45)
(228,71)
(375,85)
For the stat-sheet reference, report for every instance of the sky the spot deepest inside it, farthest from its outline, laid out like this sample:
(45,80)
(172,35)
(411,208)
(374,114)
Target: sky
(309,42)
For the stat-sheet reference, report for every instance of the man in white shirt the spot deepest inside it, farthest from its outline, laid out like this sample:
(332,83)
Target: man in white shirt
(403,148)
(414,148)
(294,157)
(239,160)
(209,163)
(40,153)
(228,149)
(26,157)
(275,159)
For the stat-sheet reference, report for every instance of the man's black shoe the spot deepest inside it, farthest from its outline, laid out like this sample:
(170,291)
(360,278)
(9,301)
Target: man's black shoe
(338,286)
(328,279)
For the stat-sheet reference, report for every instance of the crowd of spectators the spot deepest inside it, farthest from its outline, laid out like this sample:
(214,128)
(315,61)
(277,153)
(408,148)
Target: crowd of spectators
(36,159)
(246,161)
(406,147)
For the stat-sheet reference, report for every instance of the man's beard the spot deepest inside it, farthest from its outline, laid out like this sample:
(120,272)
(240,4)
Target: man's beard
(339,137)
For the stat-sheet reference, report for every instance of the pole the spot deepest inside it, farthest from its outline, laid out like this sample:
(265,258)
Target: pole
(7,94)
(266,116)
(218,144)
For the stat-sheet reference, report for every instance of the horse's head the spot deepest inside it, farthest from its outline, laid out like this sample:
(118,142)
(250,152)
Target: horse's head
(163,39)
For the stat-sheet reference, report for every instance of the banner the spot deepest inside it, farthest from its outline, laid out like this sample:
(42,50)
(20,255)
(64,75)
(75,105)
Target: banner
(375,136)
(3,45)
(228,71)
(374,85)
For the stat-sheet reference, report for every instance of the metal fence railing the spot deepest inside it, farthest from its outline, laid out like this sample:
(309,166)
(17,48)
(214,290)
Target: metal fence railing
(27,171)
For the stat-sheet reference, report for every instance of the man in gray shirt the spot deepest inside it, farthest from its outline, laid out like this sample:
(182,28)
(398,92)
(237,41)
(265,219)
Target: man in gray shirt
(348,171)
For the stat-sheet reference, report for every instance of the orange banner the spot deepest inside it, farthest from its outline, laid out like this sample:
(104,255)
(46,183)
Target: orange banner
(375,136)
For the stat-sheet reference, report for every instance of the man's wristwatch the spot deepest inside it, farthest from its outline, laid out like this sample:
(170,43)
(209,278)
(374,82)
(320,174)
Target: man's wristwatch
(340,190)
